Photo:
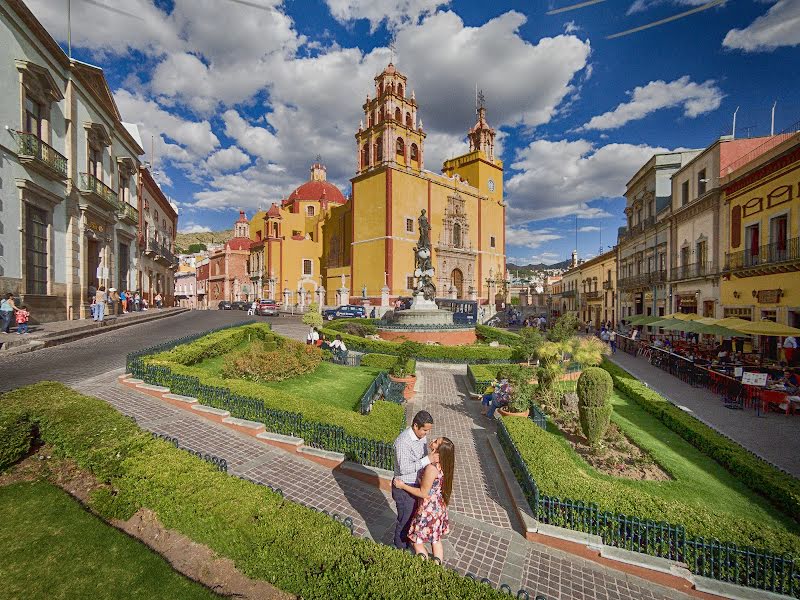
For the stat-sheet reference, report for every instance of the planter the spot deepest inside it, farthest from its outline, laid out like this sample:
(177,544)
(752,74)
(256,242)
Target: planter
(409,381)
(507,413)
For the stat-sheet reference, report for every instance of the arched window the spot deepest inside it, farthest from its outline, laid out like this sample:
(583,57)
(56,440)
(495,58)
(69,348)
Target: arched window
(274,230)
(414,152)
(400,89)
(379,150)
(365,156)
(380,89)
(409,123)
(401,147)
(398,115)
(457,235)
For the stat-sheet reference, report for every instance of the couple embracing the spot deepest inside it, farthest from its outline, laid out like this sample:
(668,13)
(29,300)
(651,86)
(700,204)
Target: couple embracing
(423,482)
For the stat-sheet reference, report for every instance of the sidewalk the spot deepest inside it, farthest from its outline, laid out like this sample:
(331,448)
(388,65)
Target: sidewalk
(773,436)
(53,333)
(482,540)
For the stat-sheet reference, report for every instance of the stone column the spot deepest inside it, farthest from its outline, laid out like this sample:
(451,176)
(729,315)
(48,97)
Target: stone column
(320,297)
(472,293)
(385,295)
(344,295)
(286,295)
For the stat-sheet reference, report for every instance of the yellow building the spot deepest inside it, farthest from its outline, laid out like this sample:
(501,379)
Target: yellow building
(391,188)
(761,204)
(363,247)
(588,289)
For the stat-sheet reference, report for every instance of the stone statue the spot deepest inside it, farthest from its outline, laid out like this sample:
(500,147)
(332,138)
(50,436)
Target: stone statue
(424,231)
(424,267)
(364,292)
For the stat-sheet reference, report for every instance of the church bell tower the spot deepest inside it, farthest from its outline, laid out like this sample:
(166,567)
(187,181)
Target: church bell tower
(393,135)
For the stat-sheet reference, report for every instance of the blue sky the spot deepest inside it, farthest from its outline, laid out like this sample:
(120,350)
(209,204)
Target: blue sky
(239,100)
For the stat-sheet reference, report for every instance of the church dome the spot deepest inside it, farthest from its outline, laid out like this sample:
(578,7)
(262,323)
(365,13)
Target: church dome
(316,189)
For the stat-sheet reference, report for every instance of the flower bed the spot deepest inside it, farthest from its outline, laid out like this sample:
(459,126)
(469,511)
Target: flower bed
(366,439)
(296,549)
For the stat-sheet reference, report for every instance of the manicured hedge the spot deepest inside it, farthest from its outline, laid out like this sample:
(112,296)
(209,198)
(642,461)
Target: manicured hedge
(269,538)
(559,472)
(493,334)
(385,362)
(481,376)
(453,354)
(382,424)
(778,487)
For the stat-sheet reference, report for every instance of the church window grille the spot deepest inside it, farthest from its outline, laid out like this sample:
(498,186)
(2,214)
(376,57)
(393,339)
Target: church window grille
(414,152)
(401,147)
(409,225)
(398,115)
(307,265)
(492,242)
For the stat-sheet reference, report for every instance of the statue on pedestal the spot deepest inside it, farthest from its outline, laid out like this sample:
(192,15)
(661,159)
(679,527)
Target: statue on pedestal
(424,267)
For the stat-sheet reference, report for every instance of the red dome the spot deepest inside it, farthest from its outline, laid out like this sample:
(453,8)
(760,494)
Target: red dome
(317,190)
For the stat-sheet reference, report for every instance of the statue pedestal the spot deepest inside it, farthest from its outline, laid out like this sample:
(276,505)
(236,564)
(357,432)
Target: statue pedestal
(420,303)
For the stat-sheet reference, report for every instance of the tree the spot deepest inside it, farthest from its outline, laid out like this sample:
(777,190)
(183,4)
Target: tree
(313,318)
(532,339)
(563,329)
(594,405)
(196,248)
(587,352)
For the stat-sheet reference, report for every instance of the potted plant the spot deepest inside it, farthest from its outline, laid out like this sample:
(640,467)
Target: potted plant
(520,403)
(402,370)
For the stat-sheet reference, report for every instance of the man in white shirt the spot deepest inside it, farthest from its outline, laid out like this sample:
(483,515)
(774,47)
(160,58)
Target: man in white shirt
(338,344)
(410,457)
(312,337)
(790,349)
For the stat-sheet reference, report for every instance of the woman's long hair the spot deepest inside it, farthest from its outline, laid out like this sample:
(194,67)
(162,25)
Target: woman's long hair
(447,461)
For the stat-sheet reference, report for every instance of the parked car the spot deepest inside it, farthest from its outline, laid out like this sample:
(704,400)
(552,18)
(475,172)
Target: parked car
(224,305)
(267,308)
(240,305)
(346,311)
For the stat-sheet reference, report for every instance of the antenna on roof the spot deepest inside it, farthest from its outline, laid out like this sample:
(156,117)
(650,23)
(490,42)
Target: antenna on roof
(772,126)
(733,133)
(69,29)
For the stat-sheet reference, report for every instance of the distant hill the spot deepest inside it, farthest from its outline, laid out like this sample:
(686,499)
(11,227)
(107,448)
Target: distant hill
(184,240)
(564,264)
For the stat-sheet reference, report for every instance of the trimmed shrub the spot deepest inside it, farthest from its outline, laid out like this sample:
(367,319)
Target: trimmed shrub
(262,362)
(493,334)
(216,344)
(296,549)
(359,329)
(594,403)
(778,487)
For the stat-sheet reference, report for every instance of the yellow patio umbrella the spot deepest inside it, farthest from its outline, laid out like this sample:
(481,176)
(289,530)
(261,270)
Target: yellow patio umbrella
(684,316)
(732,322)
(766,327)
(708,321)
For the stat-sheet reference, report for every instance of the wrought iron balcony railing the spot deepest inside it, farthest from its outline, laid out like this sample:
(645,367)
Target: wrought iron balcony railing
(89,184)
(128,212)
(31,148)
(770,254)
(568,294)
(642,280)
(693,271)
(595,295)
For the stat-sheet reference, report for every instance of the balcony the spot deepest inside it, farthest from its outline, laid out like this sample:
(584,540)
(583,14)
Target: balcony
(128,213)
(698,270)
(165,256)
(642,281)
(152,247)
(41,157)
(780,257)
(608,285)
(568,294)
(92,187)
(657,277)
(595,295)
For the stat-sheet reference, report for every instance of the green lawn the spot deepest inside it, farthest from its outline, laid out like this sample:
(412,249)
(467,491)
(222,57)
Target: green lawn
(329,383)
(53,548)
(703,496)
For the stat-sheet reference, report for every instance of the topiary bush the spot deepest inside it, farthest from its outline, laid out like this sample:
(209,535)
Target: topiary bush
(594,403)
(274,360)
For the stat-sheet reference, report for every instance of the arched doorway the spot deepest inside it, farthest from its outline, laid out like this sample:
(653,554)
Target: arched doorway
(457,281)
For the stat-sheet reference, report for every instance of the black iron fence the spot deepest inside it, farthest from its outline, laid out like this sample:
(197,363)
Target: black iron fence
(693,270)
(723,561)
(381,388)
(220,463)
(768,254)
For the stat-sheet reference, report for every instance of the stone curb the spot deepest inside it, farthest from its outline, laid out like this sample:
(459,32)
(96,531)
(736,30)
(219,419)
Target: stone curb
(217,412)
(288,440)
(326,458)
(179,398)
(380,478)
(732,591)
(244,423)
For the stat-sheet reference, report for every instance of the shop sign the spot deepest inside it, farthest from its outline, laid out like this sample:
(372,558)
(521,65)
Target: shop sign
(688,300)
(769,296)
(648,297)
(95,226)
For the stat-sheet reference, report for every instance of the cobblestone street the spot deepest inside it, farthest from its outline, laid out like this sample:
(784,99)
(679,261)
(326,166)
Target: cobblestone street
(485,538)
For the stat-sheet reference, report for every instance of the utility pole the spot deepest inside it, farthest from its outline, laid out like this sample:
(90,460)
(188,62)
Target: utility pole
(772,125)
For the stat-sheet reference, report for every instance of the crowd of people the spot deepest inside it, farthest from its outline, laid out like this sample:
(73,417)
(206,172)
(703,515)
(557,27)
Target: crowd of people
(316,338)
(118,302)
(10,312)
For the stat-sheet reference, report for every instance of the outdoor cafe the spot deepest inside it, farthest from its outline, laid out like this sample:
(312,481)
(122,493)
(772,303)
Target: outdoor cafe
(722,355)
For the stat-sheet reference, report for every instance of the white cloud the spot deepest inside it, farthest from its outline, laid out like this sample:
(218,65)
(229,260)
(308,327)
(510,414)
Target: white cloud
(695,98)
(571,27)
(194,228)
(561,178)
(394,12)
(521,236)
(779,26)
(547,258)
(588,229)
(228,159)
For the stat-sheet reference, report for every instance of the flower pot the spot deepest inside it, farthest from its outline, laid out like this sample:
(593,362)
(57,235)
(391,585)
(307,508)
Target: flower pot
(409,381)
(504,412)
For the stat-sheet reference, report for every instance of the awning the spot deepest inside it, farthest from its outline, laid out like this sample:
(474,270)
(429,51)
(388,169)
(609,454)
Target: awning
(765,327)
(643,319)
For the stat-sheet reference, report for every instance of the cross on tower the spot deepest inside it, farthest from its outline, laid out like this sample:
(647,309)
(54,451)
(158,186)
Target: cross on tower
(481,100)
(393,47)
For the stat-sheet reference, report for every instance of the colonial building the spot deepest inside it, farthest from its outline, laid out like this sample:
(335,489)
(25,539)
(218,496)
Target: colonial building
(761,225)
(201,273)
(596,287)
(227,267)
(643,246)
(69,177)
(157,231)
(185,288)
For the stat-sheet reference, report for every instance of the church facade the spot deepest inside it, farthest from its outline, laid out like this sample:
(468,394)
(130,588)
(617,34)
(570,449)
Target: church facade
(362,247)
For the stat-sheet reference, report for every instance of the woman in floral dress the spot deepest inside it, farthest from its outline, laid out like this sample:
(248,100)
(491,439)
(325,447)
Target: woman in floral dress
(435,484)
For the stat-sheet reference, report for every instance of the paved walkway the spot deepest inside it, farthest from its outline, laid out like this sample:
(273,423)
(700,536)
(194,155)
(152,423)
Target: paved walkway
(483,540)
(772,436)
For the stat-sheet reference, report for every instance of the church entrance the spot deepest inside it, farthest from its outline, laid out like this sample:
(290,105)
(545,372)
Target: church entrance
(457,281)
(93,263)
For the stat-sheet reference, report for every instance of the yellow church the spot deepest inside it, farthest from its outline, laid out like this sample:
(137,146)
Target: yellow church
(318,245)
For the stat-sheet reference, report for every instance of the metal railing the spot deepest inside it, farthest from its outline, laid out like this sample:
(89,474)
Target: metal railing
(633,281)
(595,295)
(693,270)
(778,252)
(29,145)
(568,294)
(381,388)
(608,285)
(724,561)
(127,211)
(91,184)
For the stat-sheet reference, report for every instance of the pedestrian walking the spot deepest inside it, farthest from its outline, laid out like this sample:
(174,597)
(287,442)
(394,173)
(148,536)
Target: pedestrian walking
(137,301)
(159,300)
(612,340)
(113,299)
(7,310)
(100,299)
(22,320)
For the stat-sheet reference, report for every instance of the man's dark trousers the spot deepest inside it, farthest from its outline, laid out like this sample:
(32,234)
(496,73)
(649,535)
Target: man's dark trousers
(406,503)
